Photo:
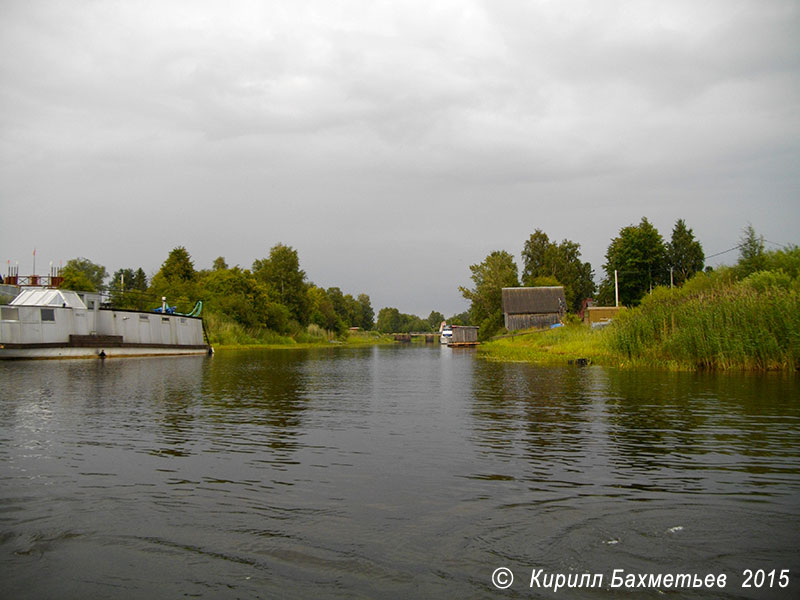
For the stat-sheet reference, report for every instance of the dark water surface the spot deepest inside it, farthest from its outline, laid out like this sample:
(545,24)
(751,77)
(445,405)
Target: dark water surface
(389,473)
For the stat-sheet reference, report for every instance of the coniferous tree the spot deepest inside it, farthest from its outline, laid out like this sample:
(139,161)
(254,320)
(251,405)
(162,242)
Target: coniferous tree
(219,264)
(128,289)
(176,281)
(366,314)
(751,252)
(684,253)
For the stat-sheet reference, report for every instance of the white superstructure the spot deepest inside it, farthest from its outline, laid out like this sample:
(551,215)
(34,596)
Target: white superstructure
(445,333)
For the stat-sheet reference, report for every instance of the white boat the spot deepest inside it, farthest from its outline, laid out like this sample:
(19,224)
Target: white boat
(56,323)
(445,333)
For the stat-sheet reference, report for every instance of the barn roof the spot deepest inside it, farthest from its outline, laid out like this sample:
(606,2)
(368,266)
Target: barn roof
(533,300)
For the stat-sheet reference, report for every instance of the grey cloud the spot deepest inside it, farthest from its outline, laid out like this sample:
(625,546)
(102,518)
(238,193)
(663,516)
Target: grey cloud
(313,122)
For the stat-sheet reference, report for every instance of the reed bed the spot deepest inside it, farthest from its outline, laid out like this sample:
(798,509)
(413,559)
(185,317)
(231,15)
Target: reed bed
(223,331)
(753,324)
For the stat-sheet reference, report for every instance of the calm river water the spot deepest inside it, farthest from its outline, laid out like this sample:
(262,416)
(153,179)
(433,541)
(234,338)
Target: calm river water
(390,472)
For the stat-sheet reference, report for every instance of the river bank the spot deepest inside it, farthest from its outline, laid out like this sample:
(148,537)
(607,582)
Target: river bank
(287,343)
(560,346)
(224,332)
(713,323)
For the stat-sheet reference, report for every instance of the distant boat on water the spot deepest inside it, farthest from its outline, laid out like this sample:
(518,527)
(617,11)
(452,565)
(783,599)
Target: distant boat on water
(445,333)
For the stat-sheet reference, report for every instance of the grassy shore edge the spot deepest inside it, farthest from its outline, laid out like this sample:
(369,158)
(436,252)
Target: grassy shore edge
(563,345)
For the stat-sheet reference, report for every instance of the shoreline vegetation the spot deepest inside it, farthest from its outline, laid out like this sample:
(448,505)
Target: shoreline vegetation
(680,315)
(716,321)
(226,334)
(271,305)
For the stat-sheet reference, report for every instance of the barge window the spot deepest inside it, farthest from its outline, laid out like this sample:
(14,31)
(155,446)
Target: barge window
(48,314)
(165,319)
(144,317)
(9,314)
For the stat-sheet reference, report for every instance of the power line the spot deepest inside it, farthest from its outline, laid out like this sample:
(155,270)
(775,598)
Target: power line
(724,251)
(743,244)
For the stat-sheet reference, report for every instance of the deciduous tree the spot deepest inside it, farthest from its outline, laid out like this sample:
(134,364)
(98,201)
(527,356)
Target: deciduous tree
(322,311)
(639,256)
(282,273)
(562,262)
(389,320)
(460,319)
(237,294)
(435,320)
(489,277)
(83,275)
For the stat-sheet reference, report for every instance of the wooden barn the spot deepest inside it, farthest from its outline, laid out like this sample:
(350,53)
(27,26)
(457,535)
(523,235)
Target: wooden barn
(527,307)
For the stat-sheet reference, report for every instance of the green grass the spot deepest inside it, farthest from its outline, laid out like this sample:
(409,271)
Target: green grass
(552,346)
(226,333)
(367,338)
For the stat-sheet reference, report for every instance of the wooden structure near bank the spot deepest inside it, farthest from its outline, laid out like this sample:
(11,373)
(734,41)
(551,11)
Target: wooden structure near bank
(533,307)
(597,316)
(430,338)
(464,336)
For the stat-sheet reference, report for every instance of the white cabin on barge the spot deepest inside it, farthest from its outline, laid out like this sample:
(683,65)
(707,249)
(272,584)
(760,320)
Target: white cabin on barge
(55,323)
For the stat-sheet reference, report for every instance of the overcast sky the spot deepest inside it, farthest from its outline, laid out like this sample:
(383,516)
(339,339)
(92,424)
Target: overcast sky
(392,144)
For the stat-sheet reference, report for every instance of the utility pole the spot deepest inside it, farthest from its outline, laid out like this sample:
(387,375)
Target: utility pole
(616,289)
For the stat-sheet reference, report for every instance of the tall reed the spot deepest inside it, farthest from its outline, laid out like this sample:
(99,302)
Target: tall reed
(715,324)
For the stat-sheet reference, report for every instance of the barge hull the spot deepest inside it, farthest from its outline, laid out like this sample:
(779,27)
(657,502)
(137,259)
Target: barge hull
(47,351)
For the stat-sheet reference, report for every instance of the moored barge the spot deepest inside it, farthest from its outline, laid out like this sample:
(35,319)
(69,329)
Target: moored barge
(57,323)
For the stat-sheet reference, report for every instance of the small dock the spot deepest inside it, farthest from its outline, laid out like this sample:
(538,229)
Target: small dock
(464,336)
(430,338)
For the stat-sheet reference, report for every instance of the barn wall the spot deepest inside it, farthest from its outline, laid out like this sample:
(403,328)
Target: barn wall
(539,321)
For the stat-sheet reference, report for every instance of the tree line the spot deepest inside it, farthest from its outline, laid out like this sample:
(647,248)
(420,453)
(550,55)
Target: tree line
(274,294)
(639,255)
